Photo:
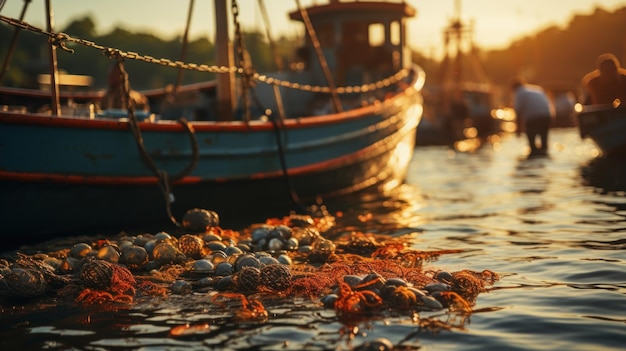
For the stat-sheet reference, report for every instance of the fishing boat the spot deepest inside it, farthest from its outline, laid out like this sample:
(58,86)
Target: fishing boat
(342,122)
(459,99)
(605,125)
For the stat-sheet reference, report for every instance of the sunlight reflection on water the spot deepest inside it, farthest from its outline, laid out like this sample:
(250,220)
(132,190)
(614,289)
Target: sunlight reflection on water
(553,227)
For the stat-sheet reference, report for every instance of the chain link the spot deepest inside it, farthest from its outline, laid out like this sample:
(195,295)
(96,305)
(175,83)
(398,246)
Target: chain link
(61,39)
(247,74)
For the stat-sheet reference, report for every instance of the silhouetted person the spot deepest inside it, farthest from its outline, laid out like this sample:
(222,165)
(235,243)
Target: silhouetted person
(534,113)
(607,83)
(114,98)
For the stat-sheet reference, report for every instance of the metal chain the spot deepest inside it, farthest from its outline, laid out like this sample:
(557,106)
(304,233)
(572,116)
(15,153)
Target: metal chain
(61,39)
(383,83)
(246,74)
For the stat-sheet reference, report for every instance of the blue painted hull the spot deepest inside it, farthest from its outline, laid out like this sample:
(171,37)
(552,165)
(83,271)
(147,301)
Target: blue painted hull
(67,174)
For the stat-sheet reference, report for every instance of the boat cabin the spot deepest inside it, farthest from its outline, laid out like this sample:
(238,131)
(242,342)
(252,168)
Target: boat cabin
(361,41)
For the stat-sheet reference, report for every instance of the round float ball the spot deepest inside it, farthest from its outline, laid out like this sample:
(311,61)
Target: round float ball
(197,220)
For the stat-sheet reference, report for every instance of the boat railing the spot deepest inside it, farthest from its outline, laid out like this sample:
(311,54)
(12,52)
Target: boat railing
(590,117)
(580,108)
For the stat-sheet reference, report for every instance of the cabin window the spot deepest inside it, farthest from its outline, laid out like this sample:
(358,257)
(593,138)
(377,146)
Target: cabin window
(376,34)
(395,33)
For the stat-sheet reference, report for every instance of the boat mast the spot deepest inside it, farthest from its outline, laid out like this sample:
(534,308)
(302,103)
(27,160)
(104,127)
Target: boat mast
(54,71)
(224,57)
(457,32)
(455,73)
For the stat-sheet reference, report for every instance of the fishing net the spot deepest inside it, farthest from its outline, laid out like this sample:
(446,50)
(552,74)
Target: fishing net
(358,275)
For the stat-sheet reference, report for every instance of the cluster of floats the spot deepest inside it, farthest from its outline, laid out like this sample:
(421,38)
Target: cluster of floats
(358,275)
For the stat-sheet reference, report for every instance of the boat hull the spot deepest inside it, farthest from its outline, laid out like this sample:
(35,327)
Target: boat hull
(606,126)
(66,175)
(48,208)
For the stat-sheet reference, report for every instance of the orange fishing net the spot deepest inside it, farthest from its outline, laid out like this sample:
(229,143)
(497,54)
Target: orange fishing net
(359,275)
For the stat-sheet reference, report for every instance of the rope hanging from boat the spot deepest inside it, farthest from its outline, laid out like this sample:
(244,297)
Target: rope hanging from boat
(60,39)
(246,84)
(162,176)
(320,56)
(277,123)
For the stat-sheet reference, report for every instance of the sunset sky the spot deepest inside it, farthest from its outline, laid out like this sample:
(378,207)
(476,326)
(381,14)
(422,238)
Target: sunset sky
(496,22)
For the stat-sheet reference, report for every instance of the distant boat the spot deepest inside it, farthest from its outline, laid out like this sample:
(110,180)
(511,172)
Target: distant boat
(563,97)
(462,74)
(606,126)
(342,122)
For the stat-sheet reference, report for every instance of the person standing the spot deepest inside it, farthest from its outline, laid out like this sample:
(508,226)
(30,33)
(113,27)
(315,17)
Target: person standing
(607,83)
(534,113)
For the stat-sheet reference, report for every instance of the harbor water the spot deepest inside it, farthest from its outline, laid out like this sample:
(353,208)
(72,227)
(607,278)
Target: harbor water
(552,227)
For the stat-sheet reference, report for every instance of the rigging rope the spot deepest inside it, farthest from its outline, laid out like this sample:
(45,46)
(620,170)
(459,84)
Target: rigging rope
(277,123)
(162,176)
(16,32)
(320,56)
(61,39)
(277,60)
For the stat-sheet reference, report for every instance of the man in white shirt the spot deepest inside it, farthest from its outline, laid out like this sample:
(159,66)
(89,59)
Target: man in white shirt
(534,113)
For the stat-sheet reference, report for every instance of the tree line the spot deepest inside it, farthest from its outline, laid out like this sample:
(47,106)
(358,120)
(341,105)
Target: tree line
(553,56)
(30,57)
